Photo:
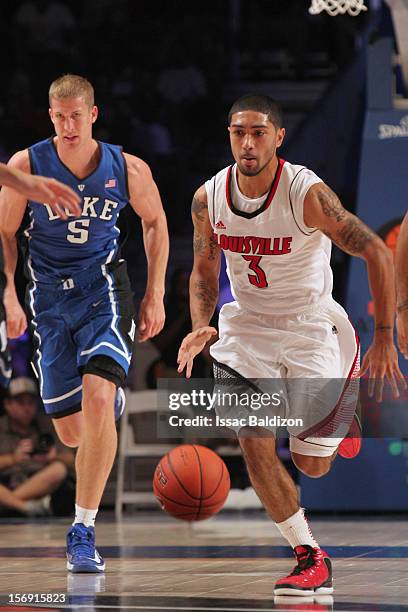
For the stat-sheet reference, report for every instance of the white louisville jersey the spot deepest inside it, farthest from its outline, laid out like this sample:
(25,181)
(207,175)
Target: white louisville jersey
(275,263)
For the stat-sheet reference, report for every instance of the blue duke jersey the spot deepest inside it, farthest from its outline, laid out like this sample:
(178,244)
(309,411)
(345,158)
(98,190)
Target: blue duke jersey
(79,297)
(60,249)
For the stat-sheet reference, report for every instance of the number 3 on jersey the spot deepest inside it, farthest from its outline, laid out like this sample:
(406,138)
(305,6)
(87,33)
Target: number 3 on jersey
(77,232)
(259,278)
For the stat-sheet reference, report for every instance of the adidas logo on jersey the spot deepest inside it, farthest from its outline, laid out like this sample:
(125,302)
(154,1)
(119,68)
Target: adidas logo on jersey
(81,187)
(220,225)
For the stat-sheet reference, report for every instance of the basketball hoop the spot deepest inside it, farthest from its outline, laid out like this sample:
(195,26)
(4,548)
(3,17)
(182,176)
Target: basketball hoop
(337,7)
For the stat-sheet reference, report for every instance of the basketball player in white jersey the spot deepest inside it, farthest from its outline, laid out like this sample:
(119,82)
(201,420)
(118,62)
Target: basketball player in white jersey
(275,222)
(401,266)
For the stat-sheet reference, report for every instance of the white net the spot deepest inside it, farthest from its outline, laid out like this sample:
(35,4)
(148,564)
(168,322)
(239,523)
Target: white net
(337,7)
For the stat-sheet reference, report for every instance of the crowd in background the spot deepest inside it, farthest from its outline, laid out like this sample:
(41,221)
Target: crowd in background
(161,73)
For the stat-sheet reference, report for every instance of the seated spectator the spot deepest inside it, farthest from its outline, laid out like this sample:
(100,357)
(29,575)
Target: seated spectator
(33,467)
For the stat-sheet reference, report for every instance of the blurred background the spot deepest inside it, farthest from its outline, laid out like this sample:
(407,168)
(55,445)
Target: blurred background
(165,74)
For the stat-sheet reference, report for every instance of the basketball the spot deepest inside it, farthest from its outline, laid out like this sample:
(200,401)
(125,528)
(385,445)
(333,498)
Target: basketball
(191,482)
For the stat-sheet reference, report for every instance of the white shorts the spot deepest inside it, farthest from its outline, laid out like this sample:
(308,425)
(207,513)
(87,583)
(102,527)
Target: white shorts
(317,355)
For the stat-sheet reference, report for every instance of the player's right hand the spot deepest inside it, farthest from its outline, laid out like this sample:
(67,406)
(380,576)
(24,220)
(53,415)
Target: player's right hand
(22,451)
(402,332)
(193,344)
(15,316)
(49,191)
(381,362)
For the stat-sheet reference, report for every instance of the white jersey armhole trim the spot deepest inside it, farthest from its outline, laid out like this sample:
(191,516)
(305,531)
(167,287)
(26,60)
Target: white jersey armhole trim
(210,190)
(305,229)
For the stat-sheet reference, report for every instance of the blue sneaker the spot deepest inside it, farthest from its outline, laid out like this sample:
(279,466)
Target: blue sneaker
(82,556)
(120,401)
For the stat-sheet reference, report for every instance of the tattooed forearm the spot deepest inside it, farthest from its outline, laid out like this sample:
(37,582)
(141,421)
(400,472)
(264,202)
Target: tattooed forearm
(197,207)
(402,306)
(330,203)
(207,297)
(352,237)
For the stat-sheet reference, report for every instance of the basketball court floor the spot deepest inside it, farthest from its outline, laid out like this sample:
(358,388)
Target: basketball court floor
(228,563)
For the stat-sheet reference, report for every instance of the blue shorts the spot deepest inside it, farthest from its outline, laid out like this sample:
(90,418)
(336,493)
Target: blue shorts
(85,316)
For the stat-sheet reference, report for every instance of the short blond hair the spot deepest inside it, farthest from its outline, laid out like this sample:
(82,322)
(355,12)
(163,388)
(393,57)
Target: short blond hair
(72,86)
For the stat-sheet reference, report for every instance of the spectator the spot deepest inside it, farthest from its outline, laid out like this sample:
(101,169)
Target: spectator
(47,24)
(32,465)
(183,90)
(182,82)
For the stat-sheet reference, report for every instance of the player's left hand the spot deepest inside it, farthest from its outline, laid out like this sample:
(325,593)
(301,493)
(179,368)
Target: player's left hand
(16,319)
(380,362)
(151,317)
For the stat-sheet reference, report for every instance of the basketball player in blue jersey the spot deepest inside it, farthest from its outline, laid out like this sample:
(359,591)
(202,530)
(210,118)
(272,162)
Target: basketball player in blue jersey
(275,222)
(401,265)
(79,297)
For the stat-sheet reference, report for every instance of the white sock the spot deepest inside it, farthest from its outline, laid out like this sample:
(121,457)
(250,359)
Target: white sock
(86,516)
(296,530)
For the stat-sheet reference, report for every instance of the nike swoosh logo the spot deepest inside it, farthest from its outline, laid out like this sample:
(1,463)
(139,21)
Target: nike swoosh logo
(96,558)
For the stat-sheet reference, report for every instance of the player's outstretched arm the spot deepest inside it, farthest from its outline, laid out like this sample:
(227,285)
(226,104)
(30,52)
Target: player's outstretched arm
(323,210)
(204,286)
(145,201)
(40,189)
(12,209)
(401,273)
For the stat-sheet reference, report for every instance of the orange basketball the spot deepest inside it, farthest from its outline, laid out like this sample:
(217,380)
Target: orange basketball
(191,482)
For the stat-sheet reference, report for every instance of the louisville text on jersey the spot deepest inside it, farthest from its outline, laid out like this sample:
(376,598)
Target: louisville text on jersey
(255,245)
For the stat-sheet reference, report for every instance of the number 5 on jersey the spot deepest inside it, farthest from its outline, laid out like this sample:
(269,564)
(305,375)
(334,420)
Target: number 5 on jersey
(78,234)
(259,278)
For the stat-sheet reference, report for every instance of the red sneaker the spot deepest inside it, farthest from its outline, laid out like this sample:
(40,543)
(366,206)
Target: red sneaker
(311,576)
(351,445)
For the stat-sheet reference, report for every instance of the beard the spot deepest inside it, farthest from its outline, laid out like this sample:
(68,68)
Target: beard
(253,171)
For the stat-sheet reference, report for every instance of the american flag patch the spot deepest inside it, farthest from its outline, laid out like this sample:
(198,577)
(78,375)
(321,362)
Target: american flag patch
(110,183)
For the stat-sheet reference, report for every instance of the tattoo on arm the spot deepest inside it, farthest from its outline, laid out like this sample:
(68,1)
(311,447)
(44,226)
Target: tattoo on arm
(352,235)
(213,245)
(198,243)
(207,297)
(402,307)
(330,203)
(380,327)
(197,207)
(205,246)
